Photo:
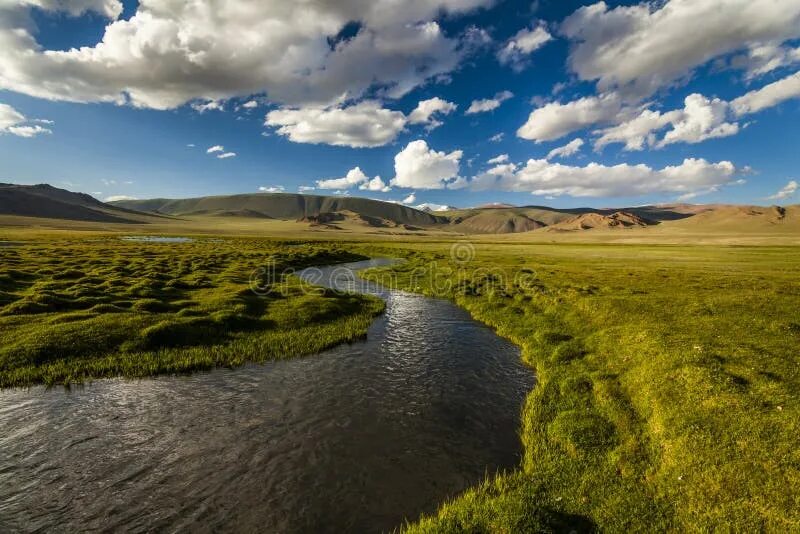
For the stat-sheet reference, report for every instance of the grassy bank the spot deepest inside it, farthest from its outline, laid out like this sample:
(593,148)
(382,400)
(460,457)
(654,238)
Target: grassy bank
(76,309)
(667,395)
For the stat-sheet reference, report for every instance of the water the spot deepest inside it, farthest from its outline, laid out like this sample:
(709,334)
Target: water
(357,438)
(157,239)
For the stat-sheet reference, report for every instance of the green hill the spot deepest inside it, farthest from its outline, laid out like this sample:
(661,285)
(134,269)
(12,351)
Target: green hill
(46,201)
(286,206)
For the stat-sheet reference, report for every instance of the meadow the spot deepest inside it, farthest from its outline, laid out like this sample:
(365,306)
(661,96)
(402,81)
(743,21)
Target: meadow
(667,394)
(73,309)
(667,382)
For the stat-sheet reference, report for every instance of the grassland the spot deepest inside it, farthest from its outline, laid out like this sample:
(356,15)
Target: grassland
(76,309)
(667,395)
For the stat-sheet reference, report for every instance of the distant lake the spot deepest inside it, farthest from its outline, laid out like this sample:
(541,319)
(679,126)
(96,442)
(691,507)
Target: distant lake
(358,438)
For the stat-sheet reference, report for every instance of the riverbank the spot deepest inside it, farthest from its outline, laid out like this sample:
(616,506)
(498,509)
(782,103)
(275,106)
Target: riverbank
(76,309)
(667,395)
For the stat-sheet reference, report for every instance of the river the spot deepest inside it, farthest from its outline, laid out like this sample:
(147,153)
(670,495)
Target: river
(358,438)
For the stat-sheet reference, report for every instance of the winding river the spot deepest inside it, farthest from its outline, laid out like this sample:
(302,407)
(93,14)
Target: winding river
(358,438)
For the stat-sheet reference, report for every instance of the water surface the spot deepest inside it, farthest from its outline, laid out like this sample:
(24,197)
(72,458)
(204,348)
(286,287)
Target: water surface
(357,438)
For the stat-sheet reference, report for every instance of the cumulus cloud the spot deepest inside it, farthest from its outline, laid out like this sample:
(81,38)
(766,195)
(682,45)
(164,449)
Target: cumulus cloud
(410,199)
(170,52)
(215,148)
(555,120)
(426,109)
(226,155)
(305,188)
(376,184)
(115,198)
(638,49)
(701,118)
(250,104)
(496,138)
(542,177)
(419,167)
(354,177)
(786,191)
(272,189)
(502,158)
(366,124)
(488,104)
(768,96)
(570,149)
(15,123)
(516,50)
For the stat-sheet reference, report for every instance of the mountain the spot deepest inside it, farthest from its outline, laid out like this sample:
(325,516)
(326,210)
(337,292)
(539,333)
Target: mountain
(743,219)
(285,206)
(46,201)
(590,221)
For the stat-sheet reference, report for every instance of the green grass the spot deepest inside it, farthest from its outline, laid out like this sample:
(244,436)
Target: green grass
(74,310)
(667,394)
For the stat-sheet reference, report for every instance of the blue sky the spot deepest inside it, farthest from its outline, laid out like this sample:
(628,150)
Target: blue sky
(694,100)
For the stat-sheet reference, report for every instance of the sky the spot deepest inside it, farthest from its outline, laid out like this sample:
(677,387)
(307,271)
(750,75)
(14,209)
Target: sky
(443,102)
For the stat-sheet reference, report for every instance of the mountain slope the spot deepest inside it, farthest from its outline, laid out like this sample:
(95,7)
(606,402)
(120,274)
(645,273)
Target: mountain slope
(590,221)
(46,201)
(285,206)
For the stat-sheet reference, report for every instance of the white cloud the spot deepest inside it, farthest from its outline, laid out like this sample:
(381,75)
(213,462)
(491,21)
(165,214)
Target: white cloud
(410,199)
(366,124)
(115,198)
(496,138)
(763,58)
(170,52)
(638,49)
(226,155)
(542,177)
(250,104)
(430,206)
(190,145)
(426,109)
(701,118)
(215,148)
(459,183)
(420,167)
(502,158)
(489,104)
(376,184)
(305,188)
(272,189)
(211,105)
(354,176)
(13,122)
(571,148)
(555,120)
(111,9)
(768,96)
(517,49)
(786,191)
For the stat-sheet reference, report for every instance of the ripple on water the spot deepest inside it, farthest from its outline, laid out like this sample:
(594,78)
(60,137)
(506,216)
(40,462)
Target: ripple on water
(360,437)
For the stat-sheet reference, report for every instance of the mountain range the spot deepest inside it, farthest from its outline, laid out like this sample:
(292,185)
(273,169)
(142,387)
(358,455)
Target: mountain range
(329,212)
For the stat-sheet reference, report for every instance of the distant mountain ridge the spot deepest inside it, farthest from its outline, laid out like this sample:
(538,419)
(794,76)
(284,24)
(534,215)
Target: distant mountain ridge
(48,202)
(287,206)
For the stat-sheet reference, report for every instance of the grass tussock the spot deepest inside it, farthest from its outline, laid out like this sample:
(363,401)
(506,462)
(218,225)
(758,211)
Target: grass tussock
(667,394)
(76,310)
